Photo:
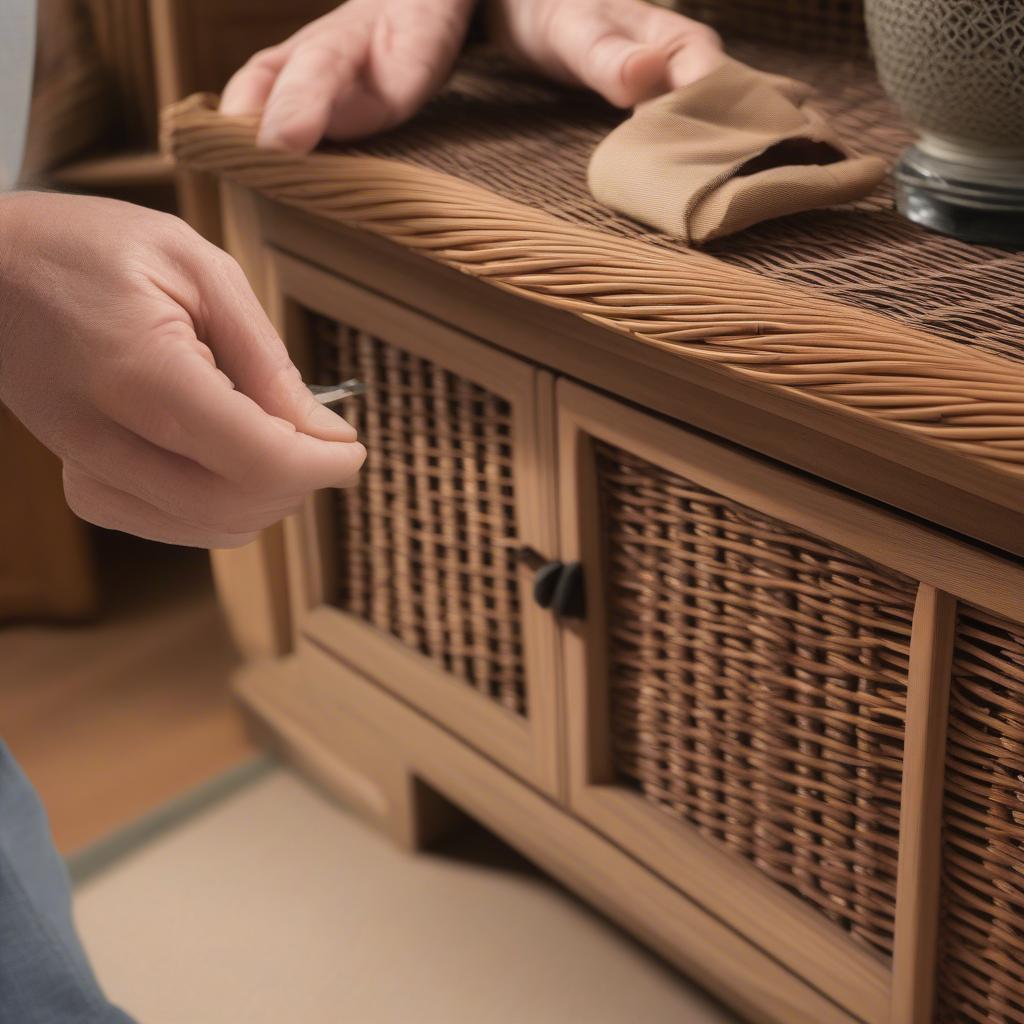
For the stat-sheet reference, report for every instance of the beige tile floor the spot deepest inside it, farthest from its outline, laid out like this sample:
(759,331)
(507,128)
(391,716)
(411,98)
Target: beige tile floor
(277,907)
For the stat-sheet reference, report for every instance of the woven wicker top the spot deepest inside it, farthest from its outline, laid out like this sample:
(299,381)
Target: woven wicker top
(529,141)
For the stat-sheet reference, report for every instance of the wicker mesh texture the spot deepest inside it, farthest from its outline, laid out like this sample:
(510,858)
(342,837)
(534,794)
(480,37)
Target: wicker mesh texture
(758,687)
(422,541)
(981,968)
(824,26)
(529,141)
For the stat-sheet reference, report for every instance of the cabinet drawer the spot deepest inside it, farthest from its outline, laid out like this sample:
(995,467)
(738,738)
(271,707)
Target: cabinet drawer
(412,574)
(757,687)
(981,937)
(755,703)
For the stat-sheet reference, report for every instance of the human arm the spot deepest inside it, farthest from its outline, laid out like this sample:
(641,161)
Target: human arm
(136,351)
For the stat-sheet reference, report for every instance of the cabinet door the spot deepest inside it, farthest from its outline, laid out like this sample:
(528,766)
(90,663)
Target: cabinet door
(981,938)
(755,702)
(413,575)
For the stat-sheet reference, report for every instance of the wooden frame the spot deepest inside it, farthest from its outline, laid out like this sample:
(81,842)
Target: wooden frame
(920,852)
(528,745)
(729,887)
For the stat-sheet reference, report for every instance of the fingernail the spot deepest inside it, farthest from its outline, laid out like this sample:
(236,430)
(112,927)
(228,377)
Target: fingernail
(267,137)
(328,425)
(353,479)
(270,135)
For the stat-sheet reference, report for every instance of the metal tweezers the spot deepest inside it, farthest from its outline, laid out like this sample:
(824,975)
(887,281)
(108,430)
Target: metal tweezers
(329,394)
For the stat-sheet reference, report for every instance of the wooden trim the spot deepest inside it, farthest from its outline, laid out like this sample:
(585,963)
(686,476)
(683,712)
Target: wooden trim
(168,27)
(121,170)
(747,979)
(249,588)
(243,236)
(508,738)
(530,749)
(252,581)
(917,551)
(737,893)
(920,852)
(347,756)
(543,651)
(584,652)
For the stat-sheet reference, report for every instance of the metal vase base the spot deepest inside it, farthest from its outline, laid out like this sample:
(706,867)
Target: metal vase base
(973,202)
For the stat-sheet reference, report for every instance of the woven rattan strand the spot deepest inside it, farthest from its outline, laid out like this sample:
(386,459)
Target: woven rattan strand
(528,141)
(819,26)
(981,969)
(422,543)
(758,687)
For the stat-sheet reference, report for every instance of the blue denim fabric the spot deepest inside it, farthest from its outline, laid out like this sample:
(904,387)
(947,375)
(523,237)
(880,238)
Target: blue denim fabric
(45,977)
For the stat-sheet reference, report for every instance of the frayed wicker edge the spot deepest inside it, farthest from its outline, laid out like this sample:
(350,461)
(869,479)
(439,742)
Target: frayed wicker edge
(687,303)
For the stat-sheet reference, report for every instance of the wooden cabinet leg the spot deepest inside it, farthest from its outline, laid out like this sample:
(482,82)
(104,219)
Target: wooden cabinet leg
(252,588)
(349,758)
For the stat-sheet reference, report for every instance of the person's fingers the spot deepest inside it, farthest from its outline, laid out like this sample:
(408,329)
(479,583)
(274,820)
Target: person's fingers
(634,72)
(313,78)
(361,112)
(693,60)
(413,48)
(626,50)
(211,308)
(622,70)
(245,346)
(596,52)
(248,88)
(692,48)
(107,452)
(175,400)
(106,506)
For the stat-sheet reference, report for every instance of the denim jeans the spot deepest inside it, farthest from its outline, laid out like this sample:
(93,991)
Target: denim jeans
(45,977)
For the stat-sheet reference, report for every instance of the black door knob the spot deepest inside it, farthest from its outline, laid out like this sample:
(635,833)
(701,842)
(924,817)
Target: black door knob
(556,585)
(569,600)
(545,583)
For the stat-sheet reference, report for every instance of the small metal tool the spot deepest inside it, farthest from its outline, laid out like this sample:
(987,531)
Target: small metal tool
(330,394)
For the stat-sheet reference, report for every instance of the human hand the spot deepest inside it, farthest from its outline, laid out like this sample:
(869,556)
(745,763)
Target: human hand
(626,50)
(136,351)
(365,67)
(371,64)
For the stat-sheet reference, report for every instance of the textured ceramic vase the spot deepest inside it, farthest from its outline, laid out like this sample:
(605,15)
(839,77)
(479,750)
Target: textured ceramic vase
(956,70)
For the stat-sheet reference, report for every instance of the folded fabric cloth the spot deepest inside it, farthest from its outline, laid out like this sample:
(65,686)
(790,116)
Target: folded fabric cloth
(737,147)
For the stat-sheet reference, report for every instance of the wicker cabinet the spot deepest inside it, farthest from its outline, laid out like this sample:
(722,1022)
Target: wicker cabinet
(752,703)
(778,734)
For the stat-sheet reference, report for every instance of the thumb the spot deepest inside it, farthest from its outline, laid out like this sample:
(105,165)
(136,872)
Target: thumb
(250,353)
(623,70)
(315,78)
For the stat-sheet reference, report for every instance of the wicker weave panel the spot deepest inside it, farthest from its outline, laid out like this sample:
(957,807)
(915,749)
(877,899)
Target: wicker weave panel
(981,973)
(822,26)
(422,542)
(758,687)
(528,141)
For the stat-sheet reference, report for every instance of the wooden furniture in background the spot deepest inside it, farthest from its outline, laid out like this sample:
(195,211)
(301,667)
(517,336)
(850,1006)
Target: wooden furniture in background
(46,565)
(121,61)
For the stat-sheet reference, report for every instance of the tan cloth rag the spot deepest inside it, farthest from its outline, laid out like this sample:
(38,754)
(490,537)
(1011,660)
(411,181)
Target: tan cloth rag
(736,147)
